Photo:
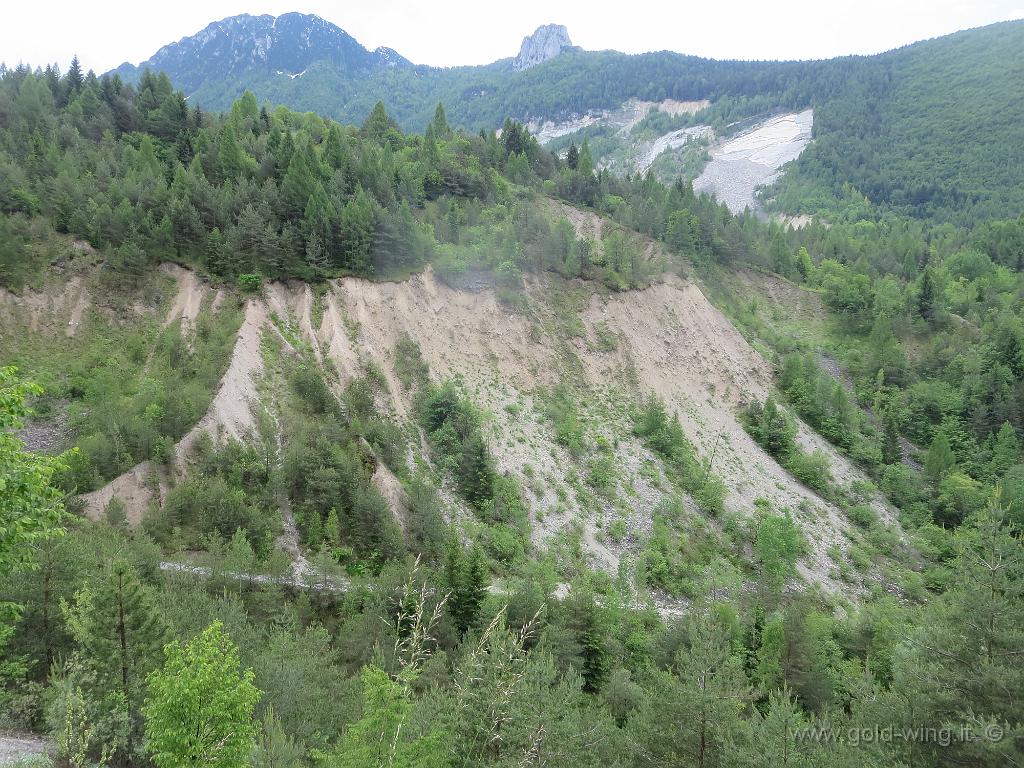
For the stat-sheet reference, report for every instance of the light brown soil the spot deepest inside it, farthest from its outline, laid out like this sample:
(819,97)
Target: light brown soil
(672,341)
(46,311)
(188,300)
(231,412)
(390,488)
(77,311)
(135,489)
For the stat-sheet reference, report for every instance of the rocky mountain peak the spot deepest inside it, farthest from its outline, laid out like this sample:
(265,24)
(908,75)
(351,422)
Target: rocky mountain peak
(545,43)
(244,46)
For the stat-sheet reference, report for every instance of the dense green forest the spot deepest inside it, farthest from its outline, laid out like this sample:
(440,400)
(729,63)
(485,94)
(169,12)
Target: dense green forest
(425,647)
(929,130)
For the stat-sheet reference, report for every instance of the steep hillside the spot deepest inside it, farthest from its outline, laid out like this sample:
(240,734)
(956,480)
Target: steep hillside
(931,130)
(486,454)
(603,352)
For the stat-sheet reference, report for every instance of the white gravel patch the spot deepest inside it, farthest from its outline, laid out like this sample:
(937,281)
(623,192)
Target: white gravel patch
(743,163)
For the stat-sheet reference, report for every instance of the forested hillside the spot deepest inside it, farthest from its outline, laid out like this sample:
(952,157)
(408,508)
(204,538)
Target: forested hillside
(433,437)
(932,130)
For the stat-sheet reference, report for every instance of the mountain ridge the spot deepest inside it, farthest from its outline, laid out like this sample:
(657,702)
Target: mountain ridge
(244,44)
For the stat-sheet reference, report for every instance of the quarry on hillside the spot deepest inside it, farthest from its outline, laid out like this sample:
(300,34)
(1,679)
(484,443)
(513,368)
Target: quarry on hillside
(741,164)
(732,166)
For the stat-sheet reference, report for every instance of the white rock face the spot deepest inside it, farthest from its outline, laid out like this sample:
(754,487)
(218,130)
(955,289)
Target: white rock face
(546,43)
(752,159)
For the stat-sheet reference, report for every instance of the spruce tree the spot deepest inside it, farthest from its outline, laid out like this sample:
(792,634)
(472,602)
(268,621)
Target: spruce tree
(474,587)
(440,123)
(232,160)
(379,124)
(299,181)
(572,157)
(926,297)
(320,219)
(119,634)
(588,622)
(358,228)
(939,459)
(74,79)
(333,152)
(466,581)
(891,451)
(1005,450)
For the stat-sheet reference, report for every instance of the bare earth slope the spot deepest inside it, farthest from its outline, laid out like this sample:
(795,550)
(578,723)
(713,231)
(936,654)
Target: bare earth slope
(677,344)
(670,340)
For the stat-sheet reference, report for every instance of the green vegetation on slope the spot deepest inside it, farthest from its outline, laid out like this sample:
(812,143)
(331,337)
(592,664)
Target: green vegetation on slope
(425,659)
(932,131)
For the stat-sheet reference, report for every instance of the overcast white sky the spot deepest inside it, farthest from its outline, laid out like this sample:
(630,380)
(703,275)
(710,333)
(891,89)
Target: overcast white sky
(105,33)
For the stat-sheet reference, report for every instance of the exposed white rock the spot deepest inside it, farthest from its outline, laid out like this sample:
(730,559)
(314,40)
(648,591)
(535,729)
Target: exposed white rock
(752,159)
(624,118)
(547,42)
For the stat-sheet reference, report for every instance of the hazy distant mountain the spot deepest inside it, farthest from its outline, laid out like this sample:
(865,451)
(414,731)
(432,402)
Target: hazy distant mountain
(246,48)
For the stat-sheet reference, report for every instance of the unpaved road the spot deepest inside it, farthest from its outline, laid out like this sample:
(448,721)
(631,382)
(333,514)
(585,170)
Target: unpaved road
(17,747)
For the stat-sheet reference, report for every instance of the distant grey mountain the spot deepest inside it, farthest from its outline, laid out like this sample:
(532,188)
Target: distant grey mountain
(544,44)
(309,64)
(246,48)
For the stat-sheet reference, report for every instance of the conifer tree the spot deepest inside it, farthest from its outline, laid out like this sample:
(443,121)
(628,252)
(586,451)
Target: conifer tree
(939,459)
(119,634)
(231,158)
(466,581)
(926,297)
(319,219)
(379,124)
(587,621)
(440,123)
(891,451)
(333,152)
(74,79)
(358,230)
(777,734)
(692,714)
(1005,450)
(299,181)
(962,662)
(572,157)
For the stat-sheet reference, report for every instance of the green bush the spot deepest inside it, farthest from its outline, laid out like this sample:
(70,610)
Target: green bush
(250,283)
(811,469)
(862,516)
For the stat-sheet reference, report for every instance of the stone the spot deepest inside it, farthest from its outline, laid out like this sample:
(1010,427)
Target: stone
(547,42)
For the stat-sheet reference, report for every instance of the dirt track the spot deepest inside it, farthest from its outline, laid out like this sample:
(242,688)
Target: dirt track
(17,747)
